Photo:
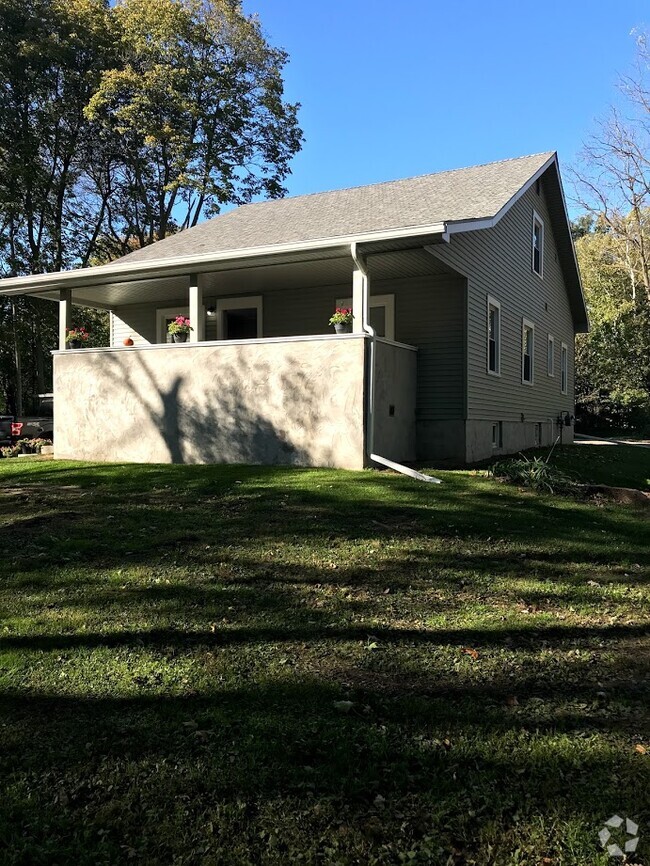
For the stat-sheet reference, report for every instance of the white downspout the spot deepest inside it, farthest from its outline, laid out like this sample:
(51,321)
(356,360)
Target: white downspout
(368,329)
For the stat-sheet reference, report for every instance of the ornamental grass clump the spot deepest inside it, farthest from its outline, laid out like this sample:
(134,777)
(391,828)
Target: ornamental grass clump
(534,472)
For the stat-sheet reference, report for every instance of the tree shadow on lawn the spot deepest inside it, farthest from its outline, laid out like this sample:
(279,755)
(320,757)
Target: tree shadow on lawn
(162,776)
(254,748)
(107,529)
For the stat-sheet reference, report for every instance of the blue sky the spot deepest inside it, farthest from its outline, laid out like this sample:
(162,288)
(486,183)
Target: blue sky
(396,89)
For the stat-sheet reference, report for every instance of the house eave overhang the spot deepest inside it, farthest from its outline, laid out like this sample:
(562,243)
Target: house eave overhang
(143,270)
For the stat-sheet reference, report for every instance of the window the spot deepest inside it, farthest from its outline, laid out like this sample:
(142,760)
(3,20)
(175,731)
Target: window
(493,337)
(239,318)
(564,368)
(538,434)
(527,352)
(538,245)
(164,317)
(381,314)
(497,434)
(550,356)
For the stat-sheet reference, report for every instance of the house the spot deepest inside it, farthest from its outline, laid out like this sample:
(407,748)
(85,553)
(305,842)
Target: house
(466,298)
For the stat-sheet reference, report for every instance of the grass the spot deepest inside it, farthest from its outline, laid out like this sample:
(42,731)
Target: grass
(246,665)
(615,465)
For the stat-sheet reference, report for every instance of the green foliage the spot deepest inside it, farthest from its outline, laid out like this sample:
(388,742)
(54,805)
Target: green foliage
(533,472)
(198,101)
(613,360)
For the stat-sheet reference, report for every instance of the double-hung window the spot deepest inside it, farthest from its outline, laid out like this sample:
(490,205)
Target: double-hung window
(493,337)
(538,245)
(564,368)
(527,352)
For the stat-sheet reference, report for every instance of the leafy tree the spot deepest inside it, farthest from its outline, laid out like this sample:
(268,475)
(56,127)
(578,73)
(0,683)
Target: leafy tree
(613,360)
(197,105)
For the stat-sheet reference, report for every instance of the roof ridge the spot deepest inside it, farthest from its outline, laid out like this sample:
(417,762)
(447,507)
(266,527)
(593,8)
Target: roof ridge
(548,153)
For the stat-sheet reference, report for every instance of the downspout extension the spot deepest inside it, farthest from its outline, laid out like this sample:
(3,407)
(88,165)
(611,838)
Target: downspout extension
(357,258)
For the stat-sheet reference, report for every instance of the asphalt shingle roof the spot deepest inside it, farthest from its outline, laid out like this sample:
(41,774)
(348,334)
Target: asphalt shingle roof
(472,193)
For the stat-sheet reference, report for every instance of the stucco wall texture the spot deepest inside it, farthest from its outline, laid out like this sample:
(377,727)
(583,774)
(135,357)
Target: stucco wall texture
(297,403)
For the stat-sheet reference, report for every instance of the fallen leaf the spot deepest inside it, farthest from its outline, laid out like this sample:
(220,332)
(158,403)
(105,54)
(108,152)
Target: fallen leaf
(470,652)
(640,749)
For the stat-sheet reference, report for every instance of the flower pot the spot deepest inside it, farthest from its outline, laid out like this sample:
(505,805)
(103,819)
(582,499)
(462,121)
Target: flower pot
(181,337)
(74,344)
(343,328)
(127,341)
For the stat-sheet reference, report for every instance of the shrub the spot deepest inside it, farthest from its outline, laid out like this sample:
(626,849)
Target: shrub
(534,472)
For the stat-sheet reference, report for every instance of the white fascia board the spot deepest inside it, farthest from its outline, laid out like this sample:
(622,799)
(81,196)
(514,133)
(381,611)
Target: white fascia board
(114,273)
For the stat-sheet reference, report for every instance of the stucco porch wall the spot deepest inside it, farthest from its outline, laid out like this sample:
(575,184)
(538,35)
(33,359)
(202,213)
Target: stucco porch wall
(271,401)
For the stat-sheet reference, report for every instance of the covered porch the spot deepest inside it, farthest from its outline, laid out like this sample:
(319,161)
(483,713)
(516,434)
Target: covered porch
(262,379)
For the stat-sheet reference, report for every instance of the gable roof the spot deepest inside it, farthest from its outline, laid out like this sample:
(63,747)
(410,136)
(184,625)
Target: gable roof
(461,195)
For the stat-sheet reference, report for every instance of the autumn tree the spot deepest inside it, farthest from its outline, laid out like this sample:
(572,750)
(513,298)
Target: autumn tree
(197,105)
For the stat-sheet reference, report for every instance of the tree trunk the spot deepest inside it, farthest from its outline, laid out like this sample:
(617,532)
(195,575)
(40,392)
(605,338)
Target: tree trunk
(17,360)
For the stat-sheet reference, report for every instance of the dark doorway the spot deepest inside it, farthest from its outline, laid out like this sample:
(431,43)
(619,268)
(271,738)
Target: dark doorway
(240,324)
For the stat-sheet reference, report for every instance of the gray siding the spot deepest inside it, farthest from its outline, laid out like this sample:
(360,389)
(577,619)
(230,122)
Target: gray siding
(498,263)
(429,314)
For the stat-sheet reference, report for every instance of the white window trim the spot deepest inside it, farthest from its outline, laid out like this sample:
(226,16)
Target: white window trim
(241,302)
(537,219)
(492,302)
(564,377)
(526,323)
(386,301)
(168,313)
(550,342)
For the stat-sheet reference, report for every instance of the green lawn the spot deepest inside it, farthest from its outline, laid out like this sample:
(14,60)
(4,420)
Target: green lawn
(245,665)
(616,465)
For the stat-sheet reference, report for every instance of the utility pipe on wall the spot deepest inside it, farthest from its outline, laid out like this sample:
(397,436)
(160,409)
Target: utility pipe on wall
(357,258)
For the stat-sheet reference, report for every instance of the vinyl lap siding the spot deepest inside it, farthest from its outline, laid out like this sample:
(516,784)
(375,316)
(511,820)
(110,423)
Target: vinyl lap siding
(498,263)
(429,314)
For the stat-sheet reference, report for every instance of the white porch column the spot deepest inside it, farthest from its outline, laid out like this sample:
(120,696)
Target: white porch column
(357,302)
(197,311)
(65,315)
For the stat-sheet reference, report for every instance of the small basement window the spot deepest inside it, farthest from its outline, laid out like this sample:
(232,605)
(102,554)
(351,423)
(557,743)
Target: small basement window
(497,434)
(493,337)
(527,352)
(538,245)
(538,434)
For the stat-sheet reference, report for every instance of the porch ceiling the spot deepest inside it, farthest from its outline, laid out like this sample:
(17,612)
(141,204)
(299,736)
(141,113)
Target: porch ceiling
(331,268)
